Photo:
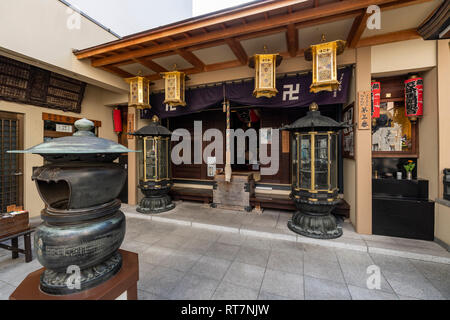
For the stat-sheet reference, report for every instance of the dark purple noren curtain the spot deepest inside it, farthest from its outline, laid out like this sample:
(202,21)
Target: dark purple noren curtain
(293,91)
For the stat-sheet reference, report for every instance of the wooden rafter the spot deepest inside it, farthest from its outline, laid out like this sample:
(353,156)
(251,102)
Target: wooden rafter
(118,71)
(191,58)
(404,35)
(292,40)
(330,9)
(358,27)
(150,64)
(238,50)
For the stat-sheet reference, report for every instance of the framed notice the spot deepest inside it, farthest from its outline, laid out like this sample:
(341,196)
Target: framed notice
(348,134)
(364,110)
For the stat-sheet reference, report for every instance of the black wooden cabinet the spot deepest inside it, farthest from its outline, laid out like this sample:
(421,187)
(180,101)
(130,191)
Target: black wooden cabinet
(400,208)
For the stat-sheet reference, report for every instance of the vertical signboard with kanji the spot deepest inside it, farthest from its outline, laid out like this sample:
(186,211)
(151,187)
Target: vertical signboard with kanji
(364,110)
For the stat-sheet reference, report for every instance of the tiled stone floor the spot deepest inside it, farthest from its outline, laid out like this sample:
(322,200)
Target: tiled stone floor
(185,262)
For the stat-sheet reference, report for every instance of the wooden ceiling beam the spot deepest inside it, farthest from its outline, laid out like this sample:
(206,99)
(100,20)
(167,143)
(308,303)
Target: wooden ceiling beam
(117,71)
(403,35)
(150,64)
(238,50)
(357,29)
(191,58)
(292,40)
(330,9)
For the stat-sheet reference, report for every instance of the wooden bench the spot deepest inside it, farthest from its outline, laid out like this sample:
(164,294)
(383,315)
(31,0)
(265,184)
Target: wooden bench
(266,201)
(14,247)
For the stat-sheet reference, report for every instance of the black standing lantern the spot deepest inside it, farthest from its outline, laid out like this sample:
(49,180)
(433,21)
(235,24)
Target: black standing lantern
(155,178)
(314,175)
(83,226)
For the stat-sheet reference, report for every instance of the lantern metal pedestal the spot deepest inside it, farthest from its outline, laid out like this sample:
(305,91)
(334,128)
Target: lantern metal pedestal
(156,198)
(154,168)
(314,179)
(314,220)
(83,226)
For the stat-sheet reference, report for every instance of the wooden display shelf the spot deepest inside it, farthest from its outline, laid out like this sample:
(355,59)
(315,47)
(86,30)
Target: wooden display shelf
(125,281)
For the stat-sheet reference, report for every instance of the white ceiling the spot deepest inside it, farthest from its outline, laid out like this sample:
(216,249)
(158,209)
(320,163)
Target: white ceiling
(168,62)
(275,43)
(215,54)
(134,68)
(403,18)
(337,30)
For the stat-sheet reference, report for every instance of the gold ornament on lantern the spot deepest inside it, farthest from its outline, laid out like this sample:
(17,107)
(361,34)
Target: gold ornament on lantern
(174,87)
(266,73)
(139,96)
(324,60)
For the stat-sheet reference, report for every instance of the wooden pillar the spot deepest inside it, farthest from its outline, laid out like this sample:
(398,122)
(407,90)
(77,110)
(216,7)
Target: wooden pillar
(363,148)
(132,159)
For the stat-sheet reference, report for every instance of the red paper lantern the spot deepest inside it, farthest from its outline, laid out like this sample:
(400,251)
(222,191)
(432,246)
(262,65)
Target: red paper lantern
(414,97)
(117,118)
(376,99)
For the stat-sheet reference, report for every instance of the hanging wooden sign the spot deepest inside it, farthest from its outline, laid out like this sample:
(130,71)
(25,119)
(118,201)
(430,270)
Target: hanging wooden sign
(364,110)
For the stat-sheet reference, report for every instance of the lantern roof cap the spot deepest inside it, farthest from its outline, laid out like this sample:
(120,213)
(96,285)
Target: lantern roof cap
(314,121)
(153,129)
(83,142)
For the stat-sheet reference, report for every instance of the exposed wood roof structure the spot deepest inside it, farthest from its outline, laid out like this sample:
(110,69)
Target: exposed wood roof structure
(225,39)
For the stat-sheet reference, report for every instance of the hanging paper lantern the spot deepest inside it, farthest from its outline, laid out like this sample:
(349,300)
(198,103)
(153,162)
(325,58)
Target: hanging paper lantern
(414,97)
(174,88)
(266,74)
(139,93)
(324,61)
(376,99)
(117,118)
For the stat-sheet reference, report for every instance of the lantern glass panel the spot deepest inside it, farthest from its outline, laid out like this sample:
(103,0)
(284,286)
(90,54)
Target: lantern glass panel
(333,161)
(151,154)
(295,161)
(141,155)
(321,170)
(305,161)
(163,159)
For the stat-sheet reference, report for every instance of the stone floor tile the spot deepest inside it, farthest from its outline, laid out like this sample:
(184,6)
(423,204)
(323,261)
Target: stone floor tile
(197,246)
(319,252)
(149,238)
(6,290)
(358,293)
(246,275)
(180,260)
(211,267)
(437,273)
(283,284)
(144,295)
(323,269)
(287,261)
(229,291)
(269,296)
(319,289)
(231,238)
(249,255)
(172,242)
(194,287)
(161,281)
(155,254)
(222,251)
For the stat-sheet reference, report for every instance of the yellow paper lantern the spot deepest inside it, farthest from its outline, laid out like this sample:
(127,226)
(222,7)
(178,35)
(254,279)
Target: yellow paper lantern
(139,96)
(266,74)
(324,60)
(174,88)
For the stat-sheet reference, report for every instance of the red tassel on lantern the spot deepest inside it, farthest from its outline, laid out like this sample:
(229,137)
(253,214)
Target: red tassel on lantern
(117,118)
(414,97)
(376,99)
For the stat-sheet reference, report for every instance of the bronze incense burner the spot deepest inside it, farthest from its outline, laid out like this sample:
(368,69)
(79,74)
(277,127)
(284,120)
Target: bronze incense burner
(83,226)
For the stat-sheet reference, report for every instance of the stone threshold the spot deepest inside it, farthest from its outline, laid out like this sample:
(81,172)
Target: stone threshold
(278,234)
